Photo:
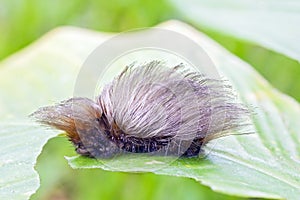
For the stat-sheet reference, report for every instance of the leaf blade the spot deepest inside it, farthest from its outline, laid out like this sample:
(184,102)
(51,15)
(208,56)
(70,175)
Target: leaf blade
(248,163)
(272,24)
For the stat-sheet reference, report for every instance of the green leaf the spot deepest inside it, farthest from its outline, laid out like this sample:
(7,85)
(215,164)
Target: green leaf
(28,80)
(20,145)
(272,24)
(265,164)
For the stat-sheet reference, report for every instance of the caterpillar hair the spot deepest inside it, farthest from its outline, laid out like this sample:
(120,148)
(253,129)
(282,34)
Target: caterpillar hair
(150,109)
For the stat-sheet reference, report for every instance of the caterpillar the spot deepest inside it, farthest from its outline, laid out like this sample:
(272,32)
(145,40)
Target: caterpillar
(151,109)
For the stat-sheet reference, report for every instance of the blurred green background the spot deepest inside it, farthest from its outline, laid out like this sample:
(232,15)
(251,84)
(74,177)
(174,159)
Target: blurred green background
(22,22)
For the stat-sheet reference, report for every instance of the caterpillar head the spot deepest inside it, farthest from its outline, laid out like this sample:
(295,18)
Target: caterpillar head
(84,124)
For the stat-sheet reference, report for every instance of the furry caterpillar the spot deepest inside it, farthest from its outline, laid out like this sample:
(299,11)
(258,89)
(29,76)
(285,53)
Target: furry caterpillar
(149,109)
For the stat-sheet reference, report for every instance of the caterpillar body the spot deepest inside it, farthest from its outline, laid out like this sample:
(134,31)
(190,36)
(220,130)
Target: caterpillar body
(149,109)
